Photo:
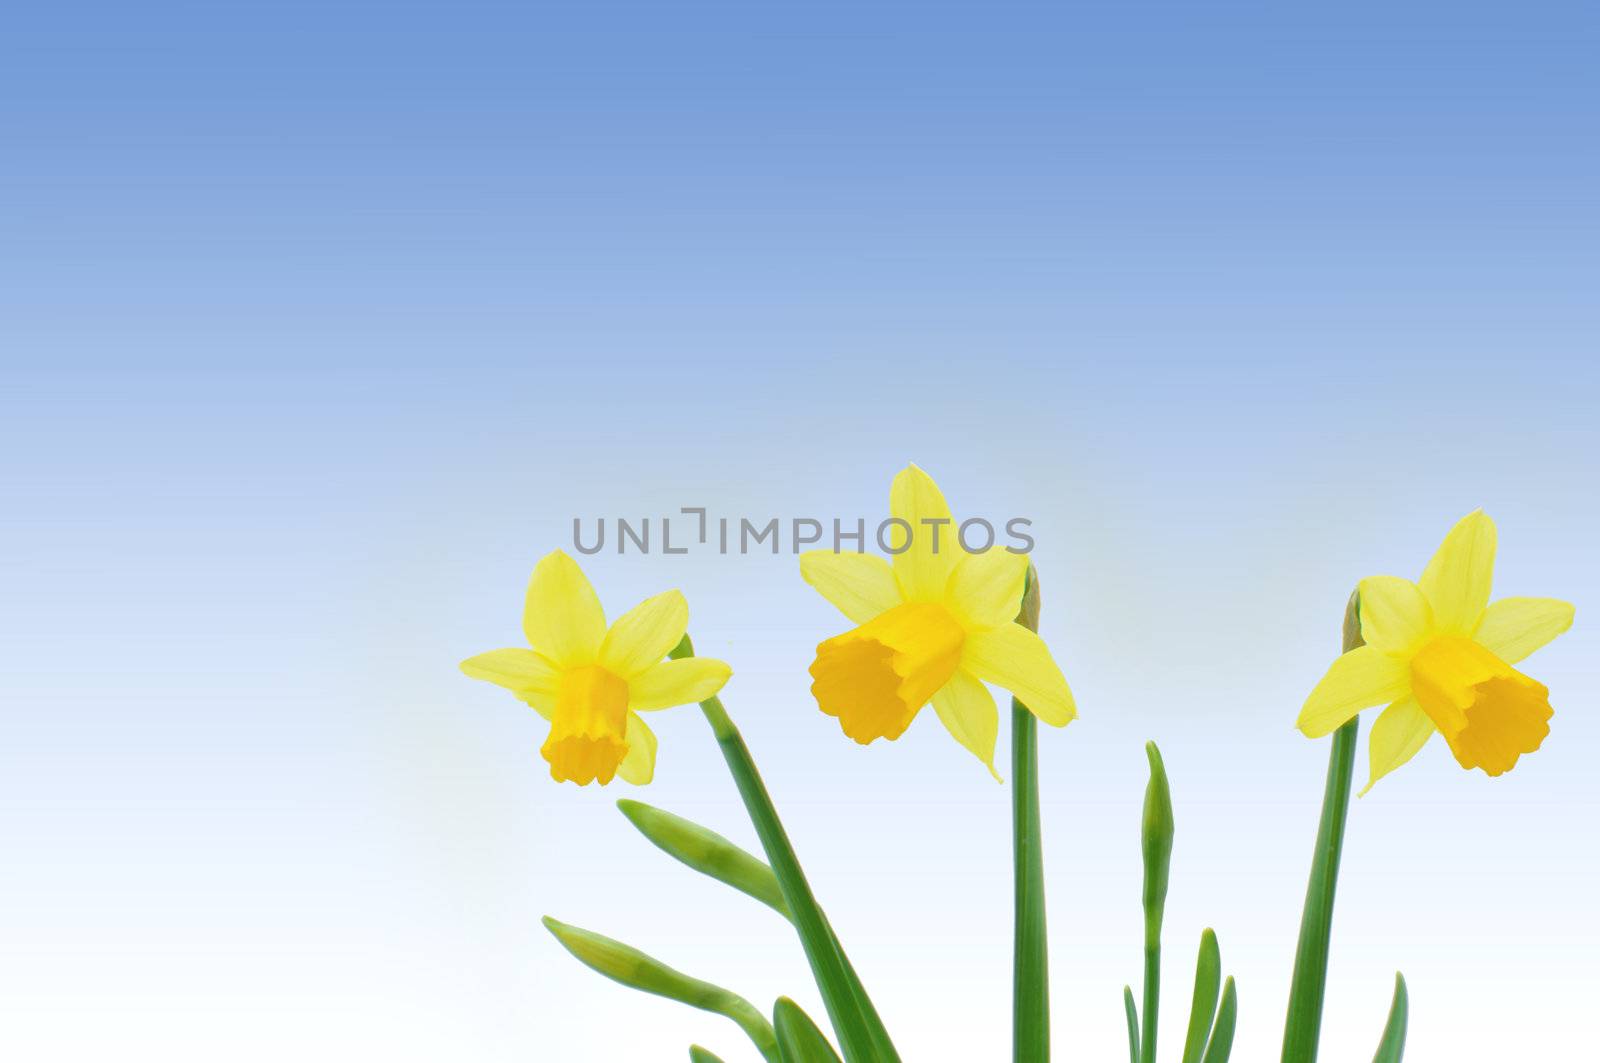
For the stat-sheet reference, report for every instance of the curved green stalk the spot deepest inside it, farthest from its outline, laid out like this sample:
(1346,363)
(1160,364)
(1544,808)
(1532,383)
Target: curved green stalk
(1303,1024)
(1155,838)
(703,1055)
(1203,1007)
(1392,1049)
(861,1033)
(1132,1011)
(636,970)
(1030,1005)
(1221,1046)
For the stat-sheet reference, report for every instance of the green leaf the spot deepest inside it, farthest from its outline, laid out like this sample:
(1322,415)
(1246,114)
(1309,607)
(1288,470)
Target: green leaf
(627,965)
(1221,1046)
(799,1040)
(1303,1024)
(1030,986)
(1133,1023)
(855,1021)
(1392,1049)
(703,1055)
(1155,837)
(1203,1008)
(706,852)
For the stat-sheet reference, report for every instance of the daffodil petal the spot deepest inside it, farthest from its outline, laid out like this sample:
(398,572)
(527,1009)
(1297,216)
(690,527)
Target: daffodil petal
(644,634)
(514,669)
(639,764)
(1013,657)
(1395,615)
(967,710)
(922,569)
(1457,580)
(680,682)
(986,589)
(1360,679)
(562,618)
(541,701)
(859,585)
(1512,628)
(1398,734)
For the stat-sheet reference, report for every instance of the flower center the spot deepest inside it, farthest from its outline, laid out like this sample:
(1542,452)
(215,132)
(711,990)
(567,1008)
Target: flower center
(1489,712)
(876,678)
(587,726)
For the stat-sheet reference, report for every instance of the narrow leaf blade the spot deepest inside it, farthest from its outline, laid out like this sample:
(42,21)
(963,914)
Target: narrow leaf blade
(799,1040)
(1221,1046)
(1392,1048)
(1203,1008)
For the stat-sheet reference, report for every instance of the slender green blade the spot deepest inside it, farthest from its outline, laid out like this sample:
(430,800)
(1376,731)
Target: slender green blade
(1203,1008)
(1303,1024)
(703,1055)
(706,852)
(799,1040)
(1030,948)
(1221,1046)
(636,970)
(1392,1049)
(1132,1010)
(861,1032)
(1155,836)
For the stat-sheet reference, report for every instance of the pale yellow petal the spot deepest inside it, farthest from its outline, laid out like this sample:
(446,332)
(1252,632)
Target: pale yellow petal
(514,669)
(1512,628)
(923,569)
(1395,616)
(859,585)
(562,618)
(1015,658)
(1399,732)
(680,682)
(1362,678)
(986,589)
(967,710)
(541,701)
(1457,580)
(644,634)
(639,765)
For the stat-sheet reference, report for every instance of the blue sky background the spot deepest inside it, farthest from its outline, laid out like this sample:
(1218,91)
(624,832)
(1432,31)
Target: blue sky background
(321,322)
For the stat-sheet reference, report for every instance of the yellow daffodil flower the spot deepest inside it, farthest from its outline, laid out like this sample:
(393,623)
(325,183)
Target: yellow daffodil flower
(591,683)
(1440,655)
(933,627)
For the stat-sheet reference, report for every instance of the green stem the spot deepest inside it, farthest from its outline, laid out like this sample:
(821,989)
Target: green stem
(1152,993)
(1031,977)
(1304,1022)
(855,1021)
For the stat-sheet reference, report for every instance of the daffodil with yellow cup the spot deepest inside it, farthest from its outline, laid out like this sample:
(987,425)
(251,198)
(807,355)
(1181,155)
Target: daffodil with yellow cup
(592,682)
(933,626)
(1440,655)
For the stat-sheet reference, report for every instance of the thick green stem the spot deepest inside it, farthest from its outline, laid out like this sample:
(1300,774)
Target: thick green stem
(1304,1022)
(1030,1012)
(861,1033)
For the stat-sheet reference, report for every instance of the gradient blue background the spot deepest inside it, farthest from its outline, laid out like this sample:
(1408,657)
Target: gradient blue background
(321,322)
